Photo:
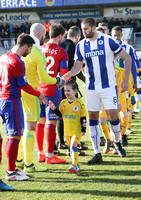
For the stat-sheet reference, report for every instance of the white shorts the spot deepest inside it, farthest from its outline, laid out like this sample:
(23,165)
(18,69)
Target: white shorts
(105,97)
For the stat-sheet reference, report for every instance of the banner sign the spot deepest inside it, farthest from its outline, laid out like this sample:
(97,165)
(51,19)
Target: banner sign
(119,12)
(9,4)
(24,16)
(71,14)
(88,2)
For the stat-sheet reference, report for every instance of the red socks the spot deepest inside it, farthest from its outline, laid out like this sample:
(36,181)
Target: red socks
(39,135)
(50,137)
(11,150)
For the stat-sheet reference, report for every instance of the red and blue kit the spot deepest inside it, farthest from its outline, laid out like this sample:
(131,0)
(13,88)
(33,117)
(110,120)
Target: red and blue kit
(12,80)
(56,58)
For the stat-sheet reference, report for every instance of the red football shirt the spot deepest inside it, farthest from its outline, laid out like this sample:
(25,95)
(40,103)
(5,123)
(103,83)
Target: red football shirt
(56,58)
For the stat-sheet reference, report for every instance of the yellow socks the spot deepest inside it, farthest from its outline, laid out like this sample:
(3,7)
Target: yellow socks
(28,146)
(129,120)
(19,156)
(74,155)
(123,122)
(105,130)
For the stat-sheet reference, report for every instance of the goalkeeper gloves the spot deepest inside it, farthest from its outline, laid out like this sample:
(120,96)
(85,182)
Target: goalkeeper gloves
(60,82)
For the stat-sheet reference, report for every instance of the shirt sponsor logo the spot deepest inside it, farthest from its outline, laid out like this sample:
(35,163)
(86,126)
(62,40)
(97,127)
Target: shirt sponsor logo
(94,53)
(70,116)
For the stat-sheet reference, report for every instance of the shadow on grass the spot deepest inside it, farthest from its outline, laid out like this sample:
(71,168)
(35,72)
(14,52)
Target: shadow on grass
(91,179)
(88,192)
(116,163)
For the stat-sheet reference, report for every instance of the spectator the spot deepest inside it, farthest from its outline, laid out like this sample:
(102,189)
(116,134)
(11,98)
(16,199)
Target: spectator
(47,26)
(16,31)
(105,20)
(23,28)
(121,22)
(5,40)
(129,21)
(117,23)
(111,23)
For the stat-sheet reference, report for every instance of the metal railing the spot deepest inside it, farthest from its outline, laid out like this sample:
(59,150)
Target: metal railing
(6,44)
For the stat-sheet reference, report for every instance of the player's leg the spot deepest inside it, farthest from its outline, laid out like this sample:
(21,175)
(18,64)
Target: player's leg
(105,130)
(93,112)
(31,108)
(110,103)
(115,127)
(75,167)
(13,121)
(39,134)
(123,122)
(51,122)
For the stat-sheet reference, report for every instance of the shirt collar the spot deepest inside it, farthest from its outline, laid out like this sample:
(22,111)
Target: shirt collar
(37,42)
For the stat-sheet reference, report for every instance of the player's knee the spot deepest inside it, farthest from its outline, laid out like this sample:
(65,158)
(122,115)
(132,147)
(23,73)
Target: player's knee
(102,121)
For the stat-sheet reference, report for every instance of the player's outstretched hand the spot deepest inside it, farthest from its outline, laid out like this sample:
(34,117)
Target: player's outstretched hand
(42,98)
(51,105)
(66,76)
(60,82)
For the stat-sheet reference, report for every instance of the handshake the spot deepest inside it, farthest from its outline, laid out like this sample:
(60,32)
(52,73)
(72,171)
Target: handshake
(60,82)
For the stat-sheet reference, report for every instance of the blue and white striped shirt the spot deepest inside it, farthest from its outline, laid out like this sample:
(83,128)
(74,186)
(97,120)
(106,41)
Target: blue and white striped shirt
(131,51)
(99,58)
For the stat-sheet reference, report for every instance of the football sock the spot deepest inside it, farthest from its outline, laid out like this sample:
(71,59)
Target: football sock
(95,135)
(123,123)
(28,146)
(11,151)
(19,156)
(115,126)
(129,119)
(50,137)
(39,135)
(105,130)
(74,155)
(101,132)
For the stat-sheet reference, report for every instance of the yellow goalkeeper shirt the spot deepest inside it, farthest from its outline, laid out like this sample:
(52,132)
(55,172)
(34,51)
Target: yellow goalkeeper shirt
(35,65)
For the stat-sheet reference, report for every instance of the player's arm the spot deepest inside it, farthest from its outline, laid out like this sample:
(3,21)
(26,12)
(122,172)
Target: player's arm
(43,75)
(83,125)
(117,49)
(127,59)
(54,109)
(77,67)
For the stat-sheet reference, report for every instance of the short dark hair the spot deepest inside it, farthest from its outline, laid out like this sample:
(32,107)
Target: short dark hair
(74,31)
(102,24)
(55,30)
(23,39)
(117,28)
(89,21)
(99,28)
